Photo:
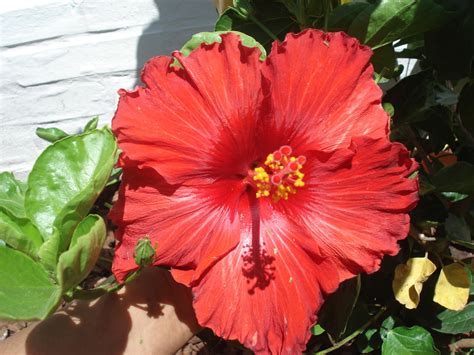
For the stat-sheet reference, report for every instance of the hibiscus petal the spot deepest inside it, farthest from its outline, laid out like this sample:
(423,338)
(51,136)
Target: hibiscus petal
(191,227)
(355,203)
(188,121)
(323,92)
(266,292)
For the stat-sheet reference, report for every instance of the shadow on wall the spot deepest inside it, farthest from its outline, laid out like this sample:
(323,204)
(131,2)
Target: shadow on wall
(177,21)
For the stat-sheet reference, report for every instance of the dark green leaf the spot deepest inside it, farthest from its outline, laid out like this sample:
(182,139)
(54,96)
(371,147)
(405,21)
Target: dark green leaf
(455,178)
(51,134)
(416,96)
(385,61)
(77,262)
(20,233)
(450,49)
(63,185)
(403,340)
(386,21)
(337,309)
(466,107)
(275,17)
(342,17)
(455,322)
(12,194)
(92,124)
(212,37)
(244,8)
(26,292)
(457,228)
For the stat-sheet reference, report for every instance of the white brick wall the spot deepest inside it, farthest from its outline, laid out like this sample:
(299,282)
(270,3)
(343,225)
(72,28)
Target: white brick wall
(62,62)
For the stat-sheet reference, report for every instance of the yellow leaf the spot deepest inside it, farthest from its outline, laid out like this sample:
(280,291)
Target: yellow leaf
(345,2)
(409,278)
(452,288)
(222,5)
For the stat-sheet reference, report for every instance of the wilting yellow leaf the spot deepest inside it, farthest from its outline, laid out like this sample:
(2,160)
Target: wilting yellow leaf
(345,2)
(222,5)
(409,278)
(452,288)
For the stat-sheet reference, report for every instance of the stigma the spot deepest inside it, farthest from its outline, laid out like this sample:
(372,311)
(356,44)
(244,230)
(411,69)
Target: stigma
(279,176)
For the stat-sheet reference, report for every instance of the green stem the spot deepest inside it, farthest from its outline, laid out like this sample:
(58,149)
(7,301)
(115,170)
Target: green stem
(353,335)
(263,27)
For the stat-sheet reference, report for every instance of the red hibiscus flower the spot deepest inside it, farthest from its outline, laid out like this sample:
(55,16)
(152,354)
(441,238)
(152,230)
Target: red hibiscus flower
(263,184)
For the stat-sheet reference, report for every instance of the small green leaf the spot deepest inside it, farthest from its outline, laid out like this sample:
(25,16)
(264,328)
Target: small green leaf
(20,233)
(244,9)
(51,134)
(388,107)
(403,340)
(64,183)
(369,341)
(317,330)
(12,194)
(77,262)
(212,37)
(454,196)
(455,322)
(144,252)
(455,178)
(92,124)
(26,292)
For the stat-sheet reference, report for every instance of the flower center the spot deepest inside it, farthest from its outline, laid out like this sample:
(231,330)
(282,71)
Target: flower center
(279,176)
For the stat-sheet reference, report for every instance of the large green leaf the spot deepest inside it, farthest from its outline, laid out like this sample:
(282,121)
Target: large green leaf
(455,178)
(26,292)
(403,340)
(19,233)
(212,37)
(77,262)
(64,183)
(12,194)
(386,21)
(342,17)
(455,322)
(450,49)
(337,309)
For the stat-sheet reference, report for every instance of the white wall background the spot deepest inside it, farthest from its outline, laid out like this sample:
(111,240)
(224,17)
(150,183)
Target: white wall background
(62,61)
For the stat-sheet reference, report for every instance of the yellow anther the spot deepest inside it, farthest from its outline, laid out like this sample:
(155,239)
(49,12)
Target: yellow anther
(281,175)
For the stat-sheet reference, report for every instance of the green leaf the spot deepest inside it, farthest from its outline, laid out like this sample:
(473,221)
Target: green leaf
(92,124)
(386,21)
(415,96)
(403,340)
(466,106)
(337,309)
(212,37)
(342,17)
(454,196)
(51,134)
(77,262)
(385,61)
(455,178)
(20,233)
(26,292)
(457,228)
(455,322)
(317,330)
(244,8)
(275,18)
(64,183)
(369,341)
(450,49)
(12,194)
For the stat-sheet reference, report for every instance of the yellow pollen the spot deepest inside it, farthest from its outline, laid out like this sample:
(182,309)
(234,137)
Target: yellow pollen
(280,176)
